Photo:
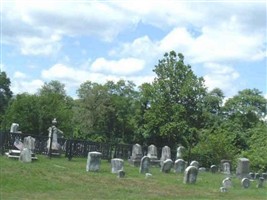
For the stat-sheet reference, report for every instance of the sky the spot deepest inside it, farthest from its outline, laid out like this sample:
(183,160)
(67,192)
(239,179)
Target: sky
(77,41)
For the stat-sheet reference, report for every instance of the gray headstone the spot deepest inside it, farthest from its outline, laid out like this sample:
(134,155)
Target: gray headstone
(257,176)
(195,164)
(152,152)
(116,165)
(180,152)
(251,175)
(226,168)
(245,182)
(25,155)
(93,161)
(179,166)
(242,169)
(190,175)
(227,182)
(260,182)
(166,166)
(144,165)
(136,156)
(213,169)
(29,142)
(165,154)
(202,169)
(121,174)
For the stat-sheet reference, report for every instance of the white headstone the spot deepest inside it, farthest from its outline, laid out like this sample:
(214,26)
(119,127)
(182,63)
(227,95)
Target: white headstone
(165,154)
(227,182)
(242,170)
(25,155)
(213,169)
(190,175)
(93,161)
(180,152)
(116,165)
(195,164)
(29,142)
(226,168)
(152,152)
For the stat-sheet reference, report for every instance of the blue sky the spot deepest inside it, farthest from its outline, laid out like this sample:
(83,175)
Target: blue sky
(76,41)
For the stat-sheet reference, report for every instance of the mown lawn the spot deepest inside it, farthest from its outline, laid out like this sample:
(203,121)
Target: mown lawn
(58,178)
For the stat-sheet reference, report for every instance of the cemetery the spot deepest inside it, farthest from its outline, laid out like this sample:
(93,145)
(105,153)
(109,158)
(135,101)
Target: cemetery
(105,172)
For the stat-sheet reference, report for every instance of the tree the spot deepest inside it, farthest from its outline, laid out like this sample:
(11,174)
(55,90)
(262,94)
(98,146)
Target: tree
(24,110)
(5,94)
(176,103)
(54,103)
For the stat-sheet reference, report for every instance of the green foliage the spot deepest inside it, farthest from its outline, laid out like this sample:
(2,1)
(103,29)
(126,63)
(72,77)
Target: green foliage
(5,94)
(175,98)
(257,147)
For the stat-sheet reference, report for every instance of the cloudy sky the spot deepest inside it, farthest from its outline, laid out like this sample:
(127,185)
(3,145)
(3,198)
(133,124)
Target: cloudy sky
(76,41)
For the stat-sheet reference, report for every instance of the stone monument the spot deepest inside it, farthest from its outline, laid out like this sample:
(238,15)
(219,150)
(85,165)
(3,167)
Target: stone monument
(93,161)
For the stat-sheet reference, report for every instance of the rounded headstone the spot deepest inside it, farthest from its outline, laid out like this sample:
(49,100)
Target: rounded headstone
(245,182)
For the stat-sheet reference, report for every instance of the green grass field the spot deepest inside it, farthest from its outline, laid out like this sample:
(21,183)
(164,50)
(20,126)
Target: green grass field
(58,178)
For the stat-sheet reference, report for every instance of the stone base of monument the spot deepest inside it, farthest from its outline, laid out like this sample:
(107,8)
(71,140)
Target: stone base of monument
(55,153)
(16,154)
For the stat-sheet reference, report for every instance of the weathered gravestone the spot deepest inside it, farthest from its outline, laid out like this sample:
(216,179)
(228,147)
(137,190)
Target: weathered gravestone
(227,182)
(260,182)
(137,155)
(242,170)
(93,161)
(213,169)
(180,152)
(116,165)
(152,153)
(121,174)
(165,154)
(195,164)
(190,175)
(245,182)
(251,175)
(166,166)
(144,165)
(25,155)
(14,128)
(202,169)
(257,176)
(179,166)
(226,167)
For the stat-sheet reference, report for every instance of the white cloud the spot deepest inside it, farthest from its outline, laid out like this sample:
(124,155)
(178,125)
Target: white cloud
(120,67)
(221,76)
(19,75)
(29,86)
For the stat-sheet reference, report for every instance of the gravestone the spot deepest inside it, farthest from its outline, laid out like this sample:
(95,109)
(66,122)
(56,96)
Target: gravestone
(251,175)
(179,166)
(264,175)
(52,142)
(223,189)
(25,155)
(144,165)
(245,182)
(190,175)
(29,142)
(227,182)
(148,175)
(14,128)
(166,166)
(195,164)
(136,156)
(121,174)
(226,167)
(260,182)
(202,169)
(213,169)
(165,154)
(93,161)
(152,153)
(180,152)
(116,165)
(242,169)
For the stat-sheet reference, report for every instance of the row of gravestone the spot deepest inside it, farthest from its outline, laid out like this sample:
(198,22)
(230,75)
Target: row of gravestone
(117,166)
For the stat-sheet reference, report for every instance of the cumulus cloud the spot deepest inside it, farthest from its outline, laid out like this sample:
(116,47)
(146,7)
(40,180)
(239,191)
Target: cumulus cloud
(221,76)
(29,86)
(120,67)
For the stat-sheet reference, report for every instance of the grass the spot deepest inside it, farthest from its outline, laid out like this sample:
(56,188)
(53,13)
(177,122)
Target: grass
(58,178)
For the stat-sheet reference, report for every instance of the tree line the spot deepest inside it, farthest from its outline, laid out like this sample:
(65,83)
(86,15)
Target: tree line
(175,109)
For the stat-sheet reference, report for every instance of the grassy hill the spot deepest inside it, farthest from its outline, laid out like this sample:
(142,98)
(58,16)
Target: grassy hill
(58,178)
